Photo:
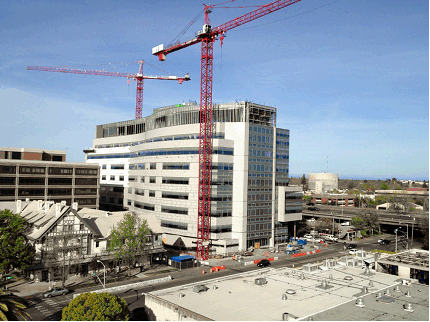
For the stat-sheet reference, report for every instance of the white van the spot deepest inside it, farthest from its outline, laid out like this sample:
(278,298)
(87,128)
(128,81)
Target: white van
(331,238)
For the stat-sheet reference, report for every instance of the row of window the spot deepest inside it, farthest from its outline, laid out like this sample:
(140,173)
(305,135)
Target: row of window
(167,138)
(112,178)
(220,151)
(42,170)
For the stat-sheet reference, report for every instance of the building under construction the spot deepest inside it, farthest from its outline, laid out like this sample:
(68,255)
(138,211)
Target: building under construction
(156,160)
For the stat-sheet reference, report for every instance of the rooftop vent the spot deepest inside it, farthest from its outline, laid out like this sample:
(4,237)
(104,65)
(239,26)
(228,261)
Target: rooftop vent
(290,291)
(181,295)
(63,202)
(324,285)
(408,294)
(284,297)
(387,292)
(199,288)
(371,283)
(397,289)
(215,287)
(288,317)
(359,302)
(408,307)
(330,276)
(379,294)
(260,281)
(364,290)
(348,278)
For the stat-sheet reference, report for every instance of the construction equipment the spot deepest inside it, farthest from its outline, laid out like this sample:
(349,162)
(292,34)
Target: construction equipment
(206,37)
(139,77)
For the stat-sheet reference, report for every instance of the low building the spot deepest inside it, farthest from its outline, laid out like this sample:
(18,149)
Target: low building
(48,180)
(32,154)
(63,236)
(333,199)
(335,290)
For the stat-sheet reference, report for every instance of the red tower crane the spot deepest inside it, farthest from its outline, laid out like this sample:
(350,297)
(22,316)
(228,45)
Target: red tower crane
(206,37)
(139,77)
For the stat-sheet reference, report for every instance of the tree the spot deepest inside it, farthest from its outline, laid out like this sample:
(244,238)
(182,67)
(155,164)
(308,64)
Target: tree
(367,220)
(303,182)
(351,185)
(425,184)
(128,239)
(16,250)
(384,186)
(96,307)
(12,306)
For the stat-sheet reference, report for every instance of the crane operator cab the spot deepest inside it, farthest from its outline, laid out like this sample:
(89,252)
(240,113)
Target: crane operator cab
(206,29)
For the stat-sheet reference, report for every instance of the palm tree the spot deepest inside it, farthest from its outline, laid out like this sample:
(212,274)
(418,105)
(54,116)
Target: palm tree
(12,306)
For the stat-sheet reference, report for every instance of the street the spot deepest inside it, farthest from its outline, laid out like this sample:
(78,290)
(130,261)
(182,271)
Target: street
(50,309)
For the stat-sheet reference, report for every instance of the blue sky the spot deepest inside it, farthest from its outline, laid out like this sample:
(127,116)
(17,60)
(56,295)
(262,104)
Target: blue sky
(350,79)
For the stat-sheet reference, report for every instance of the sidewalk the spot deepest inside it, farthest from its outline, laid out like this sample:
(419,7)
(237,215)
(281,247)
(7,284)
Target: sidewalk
(25,288)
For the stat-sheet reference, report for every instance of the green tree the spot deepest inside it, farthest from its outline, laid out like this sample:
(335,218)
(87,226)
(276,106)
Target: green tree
(367,220)
(12,306)
(128,239)
(351,185)
(384,186)
(96,307)
(16,250)
(425,184)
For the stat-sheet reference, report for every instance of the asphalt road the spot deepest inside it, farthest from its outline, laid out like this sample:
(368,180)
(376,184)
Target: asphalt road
(50,309)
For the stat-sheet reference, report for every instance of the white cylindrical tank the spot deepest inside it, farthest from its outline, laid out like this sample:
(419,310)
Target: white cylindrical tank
(321,182)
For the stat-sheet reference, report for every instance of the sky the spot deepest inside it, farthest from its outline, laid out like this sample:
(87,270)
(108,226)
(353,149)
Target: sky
(349,79)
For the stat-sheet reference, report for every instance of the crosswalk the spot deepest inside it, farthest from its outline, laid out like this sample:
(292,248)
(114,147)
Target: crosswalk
(50,309)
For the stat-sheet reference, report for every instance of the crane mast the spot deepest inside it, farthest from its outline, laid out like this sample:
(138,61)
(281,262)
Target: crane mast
(137,77)
(207,37)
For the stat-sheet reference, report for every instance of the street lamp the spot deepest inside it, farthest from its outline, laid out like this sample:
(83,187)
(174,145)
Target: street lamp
(412,241)
(104,274)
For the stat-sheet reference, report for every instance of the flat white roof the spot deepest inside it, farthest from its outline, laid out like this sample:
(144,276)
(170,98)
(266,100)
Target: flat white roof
(237,297)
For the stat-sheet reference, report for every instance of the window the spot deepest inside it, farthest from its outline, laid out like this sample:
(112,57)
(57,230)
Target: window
(7,169)
(112,177)
(173,210)
(104,166)
(142,179)
(121,178)
(85,191)
(153,166)
(117,166)
(87,172)
(32,181)
(97,244)
(132,179)
(176,166)
(139,192)
(129,202)
(174,225)
(68,171)
(86,181)
(144,206)
(7,180)
(31,170)
(174,195)
(175,181)
(104,177)
(151,193)
(130,190)
(152,180)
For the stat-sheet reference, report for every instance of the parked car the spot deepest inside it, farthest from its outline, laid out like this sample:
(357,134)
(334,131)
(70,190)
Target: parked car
(331,238)
(263,263)
(351,246)
(385,242)
(56,291)
(314,209)
(353,251)
(307,236)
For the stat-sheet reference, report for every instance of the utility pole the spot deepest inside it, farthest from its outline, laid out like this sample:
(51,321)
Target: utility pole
(412,241)
(396,240)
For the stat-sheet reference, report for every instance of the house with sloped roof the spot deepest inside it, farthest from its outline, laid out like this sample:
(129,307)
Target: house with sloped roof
(64,236)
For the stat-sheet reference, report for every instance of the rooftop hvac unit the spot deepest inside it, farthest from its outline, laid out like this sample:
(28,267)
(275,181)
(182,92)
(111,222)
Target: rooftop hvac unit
(260,281)
(199,288)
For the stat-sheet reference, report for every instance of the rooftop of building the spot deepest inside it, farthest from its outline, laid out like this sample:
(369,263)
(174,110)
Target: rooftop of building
(31,150)
(49,163)
(340,293)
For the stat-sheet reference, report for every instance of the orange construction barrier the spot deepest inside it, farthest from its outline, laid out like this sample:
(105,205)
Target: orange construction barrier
(203,272)
(271,259)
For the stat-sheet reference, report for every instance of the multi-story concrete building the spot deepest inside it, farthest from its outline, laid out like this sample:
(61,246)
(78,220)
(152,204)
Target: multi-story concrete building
(156,159)
(23,178)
